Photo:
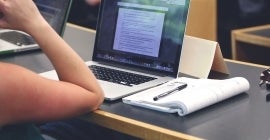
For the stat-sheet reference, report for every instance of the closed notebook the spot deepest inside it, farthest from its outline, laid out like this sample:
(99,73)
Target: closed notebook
(198,94)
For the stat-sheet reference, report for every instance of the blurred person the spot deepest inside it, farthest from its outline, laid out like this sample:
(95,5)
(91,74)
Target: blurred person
(84,13)
(92,2)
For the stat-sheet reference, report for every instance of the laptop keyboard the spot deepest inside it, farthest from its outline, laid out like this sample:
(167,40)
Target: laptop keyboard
(17,38)
(119,77)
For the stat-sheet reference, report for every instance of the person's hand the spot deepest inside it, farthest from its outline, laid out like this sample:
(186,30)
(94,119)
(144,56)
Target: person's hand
(19,14)
(92,2)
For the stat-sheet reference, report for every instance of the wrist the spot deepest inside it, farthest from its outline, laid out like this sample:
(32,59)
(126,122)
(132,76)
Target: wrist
(36,27)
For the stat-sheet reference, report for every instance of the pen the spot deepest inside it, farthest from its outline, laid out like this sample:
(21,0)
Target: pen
(170,92)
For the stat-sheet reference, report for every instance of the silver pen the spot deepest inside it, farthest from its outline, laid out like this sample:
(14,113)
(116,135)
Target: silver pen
(170,92)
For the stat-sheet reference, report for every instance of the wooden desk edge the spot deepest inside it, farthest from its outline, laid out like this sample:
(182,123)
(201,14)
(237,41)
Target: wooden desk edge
(250,38)
(243,36)
(134,128)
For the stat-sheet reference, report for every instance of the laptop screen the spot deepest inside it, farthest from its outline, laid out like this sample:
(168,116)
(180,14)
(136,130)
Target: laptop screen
(142,33)
(55,12)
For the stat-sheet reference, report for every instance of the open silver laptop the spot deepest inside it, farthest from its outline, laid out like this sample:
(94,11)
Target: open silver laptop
(142,39)
(54,11)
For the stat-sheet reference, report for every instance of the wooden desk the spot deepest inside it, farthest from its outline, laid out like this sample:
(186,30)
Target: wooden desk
(252,44)
(241,117)
(244,117)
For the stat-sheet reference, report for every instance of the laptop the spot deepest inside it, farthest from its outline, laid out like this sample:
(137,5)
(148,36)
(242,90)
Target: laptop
(140,38)
(54,11)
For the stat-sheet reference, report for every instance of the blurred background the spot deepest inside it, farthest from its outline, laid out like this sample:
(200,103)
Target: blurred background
(208,19)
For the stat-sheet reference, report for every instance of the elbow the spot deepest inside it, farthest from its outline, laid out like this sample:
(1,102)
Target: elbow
(99,100)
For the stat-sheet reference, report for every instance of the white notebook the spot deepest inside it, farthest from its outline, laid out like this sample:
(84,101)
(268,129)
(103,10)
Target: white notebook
(198,94)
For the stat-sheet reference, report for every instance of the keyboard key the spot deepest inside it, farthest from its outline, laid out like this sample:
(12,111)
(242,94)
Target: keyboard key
(119,77)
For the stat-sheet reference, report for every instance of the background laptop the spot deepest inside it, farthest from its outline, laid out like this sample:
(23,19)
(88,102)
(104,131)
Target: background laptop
(54,11)
(142,38)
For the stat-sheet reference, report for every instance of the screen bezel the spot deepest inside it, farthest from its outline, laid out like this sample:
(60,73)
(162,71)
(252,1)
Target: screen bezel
(175,71)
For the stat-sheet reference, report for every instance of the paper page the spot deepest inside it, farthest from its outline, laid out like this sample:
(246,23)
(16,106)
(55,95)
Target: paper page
(139,31)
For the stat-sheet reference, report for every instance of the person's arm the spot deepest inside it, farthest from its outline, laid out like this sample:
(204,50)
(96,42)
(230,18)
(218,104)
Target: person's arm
(24,95)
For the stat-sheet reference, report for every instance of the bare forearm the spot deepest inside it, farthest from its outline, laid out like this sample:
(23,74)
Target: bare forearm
(69,66)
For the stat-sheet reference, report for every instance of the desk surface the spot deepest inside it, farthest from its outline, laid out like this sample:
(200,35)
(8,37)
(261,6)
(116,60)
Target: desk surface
(244,117)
